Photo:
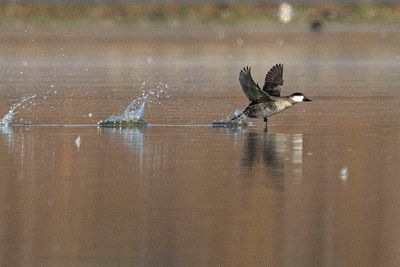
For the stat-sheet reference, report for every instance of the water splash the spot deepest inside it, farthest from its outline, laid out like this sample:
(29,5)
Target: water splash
(237,120)
(9,117)
(133,114)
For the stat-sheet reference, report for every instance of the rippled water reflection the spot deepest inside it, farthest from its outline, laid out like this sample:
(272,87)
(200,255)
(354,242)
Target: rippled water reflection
(196,195)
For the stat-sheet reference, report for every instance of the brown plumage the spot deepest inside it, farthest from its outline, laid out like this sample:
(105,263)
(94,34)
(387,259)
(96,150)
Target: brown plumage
(274,80)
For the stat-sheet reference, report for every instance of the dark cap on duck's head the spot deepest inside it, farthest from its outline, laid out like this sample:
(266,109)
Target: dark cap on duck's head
(299,97)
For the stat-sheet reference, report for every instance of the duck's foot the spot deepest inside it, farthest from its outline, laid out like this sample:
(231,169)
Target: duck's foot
(266,124)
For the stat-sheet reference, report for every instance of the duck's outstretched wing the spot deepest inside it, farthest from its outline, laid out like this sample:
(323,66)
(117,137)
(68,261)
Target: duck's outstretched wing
(249,87)
(274,80)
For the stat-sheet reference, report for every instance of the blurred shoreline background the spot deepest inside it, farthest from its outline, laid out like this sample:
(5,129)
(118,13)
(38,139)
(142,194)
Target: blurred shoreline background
(176,14)
(318,187)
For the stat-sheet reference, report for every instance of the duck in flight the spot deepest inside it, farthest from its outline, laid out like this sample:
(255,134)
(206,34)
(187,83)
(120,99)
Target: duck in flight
(267,101)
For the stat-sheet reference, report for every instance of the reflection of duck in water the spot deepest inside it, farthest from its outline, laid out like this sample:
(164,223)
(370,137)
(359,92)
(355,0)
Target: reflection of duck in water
(267,101)
(281,155)
(271,148)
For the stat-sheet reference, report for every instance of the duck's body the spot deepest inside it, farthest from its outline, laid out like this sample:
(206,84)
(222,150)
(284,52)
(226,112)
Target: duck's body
(267,101)
(268,108)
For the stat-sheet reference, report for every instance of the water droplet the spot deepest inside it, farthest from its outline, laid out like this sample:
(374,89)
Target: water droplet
(78,141)
(344,174)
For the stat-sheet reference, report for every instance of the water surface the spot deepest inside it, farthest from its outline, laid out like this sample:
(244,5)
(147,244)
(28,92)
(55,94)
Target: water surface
(319,187)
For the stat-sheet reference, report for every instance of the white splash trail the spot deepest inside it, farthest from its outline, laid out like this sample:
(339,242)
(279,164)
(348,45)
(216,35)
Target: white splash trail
(134,112)
(9,117)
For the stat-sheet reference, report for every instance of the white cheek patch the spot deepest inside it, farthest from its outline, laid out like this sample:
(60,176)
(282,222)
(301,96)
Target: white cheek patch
(298,98)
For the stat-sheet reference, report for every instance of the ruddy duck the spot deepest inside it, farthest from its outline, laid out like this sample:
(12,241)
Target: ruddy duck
(267,101)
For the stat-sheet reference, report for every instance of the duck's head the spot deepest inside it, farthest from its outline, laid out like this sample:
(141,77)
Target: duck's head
(299,97)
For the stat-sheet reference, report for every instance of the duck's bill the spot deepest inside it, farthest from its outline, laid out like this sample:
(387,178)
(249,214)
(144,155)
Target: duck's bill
(306,99)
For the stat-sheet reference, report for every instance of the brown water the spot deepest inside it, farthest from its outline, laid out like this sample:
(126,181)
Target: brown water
(319,188)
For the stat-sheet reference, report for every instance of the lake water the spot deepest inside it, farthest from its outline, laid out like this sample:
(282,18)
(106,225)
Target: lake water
(319,187)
